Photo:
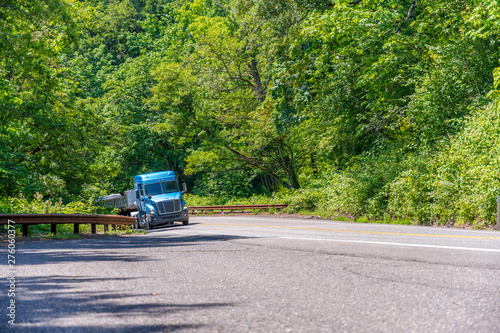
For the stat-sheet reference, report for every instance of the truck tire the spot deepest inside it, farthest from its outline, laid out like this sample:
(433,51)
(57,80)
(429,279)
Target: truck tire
(148,222)
(185,222)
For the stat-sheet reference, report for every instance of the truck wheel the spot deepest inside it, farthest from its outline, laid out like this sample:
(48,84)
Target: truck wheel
(186,222)
(148,222)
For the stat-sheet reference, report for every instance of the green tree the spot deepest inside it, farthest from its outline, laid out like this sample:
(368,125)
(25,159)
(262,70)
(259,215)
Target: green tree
(44,130)
(226,82)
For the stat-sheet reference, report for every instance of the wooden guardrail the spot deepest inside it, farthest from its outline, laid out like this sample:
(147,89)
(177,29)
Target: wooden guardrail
(234,208)
(76,219)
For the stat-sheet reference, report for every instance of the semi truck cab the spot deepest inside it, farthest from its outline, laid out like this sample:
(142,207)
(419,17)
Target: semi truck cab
(159,199)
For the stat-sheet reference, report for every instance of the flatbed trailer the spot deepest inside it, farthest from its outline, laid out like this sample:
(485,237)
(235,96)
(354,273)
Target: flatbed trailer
(126,204)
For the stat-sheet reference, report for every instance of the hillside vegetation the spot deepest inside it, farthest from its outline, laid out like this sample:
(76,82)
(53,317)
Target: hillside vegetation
(367,109)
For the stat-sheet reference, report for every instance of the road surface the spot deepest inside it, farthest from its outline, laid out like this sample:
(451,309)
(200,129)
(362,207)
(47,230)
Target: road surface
(260,274)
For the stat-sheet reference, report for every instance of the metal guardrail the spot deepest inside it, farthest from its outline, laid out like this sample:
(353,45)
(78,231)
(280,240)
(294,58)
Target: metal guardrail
(234,208)
(76,219)
(94,219)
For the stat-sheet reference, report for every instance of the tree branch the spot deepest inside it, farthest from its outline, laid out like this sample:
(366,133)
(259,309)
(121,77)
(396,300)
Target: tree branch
(228,16)
(407,16)
(257,164)
(233,88)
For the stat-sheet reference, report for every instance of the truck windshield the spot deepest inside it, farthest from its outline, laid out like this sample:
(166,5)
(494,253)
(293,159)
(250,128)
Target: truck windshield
(159,188)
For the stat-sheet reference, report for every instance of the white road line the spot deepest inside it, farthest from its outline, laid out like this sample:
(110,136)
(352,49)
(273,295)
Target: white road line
(358,241)
(333,223)
(397,244)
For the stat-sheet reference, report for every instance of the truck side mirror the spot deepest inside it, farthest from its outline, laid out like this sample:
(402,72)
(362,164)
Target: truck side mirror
(184,188)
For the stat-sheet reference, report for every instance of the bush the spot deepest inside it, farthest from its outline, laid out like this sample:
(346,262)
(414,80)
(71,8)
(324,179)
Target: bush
(38,205)
(459,183)
(456,182)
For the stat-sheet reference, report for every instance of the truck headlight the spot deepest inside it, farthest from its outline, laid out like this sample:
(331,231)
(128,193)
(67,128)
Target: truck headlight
(152,212)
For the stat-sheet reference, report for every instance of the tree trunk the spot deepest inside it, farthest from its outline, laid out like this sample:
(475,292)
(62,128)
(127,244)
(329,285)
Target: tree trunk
(259,89)
(293,179)
(269,182)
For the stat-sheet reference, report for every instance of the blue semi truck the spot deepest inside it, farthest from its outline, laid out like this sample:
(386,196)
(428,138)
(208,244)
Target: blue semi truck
(159,199)
(156,199)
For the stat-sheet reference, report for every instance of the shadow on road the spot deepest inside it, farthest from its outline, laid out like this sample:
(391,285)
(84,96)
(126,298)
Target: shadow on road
(106,248)
(67,304)
(94,329)
(60,303)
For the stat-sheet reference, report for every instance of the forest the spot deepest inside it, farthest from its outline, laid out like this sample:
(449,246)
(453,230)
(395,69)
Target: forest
(379,110)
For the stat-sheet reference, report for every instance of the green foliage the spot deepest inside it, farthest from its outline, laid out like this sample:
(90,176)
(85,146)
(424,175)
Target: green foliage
(366,109)
(461,181)
(457,183)
(225,184)
(45,131)
(22,205)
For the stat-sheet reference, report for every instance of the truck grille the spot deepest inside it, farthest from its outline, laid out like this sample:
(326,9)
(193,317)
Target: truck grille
(169,206)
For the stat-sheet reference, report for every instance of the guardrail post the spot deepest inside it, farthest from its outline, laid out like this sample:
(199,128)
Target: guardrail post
(53,228)
(76,228)
(106,227)
(93,228)
(26,230)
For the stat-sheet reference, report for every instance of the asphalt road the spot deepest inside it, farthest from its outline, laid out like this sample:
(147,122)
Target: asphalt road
(260,274)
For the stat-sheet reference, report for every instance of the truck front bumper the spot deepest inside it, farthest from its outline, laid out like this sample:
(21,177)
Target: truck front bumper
(169,218)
